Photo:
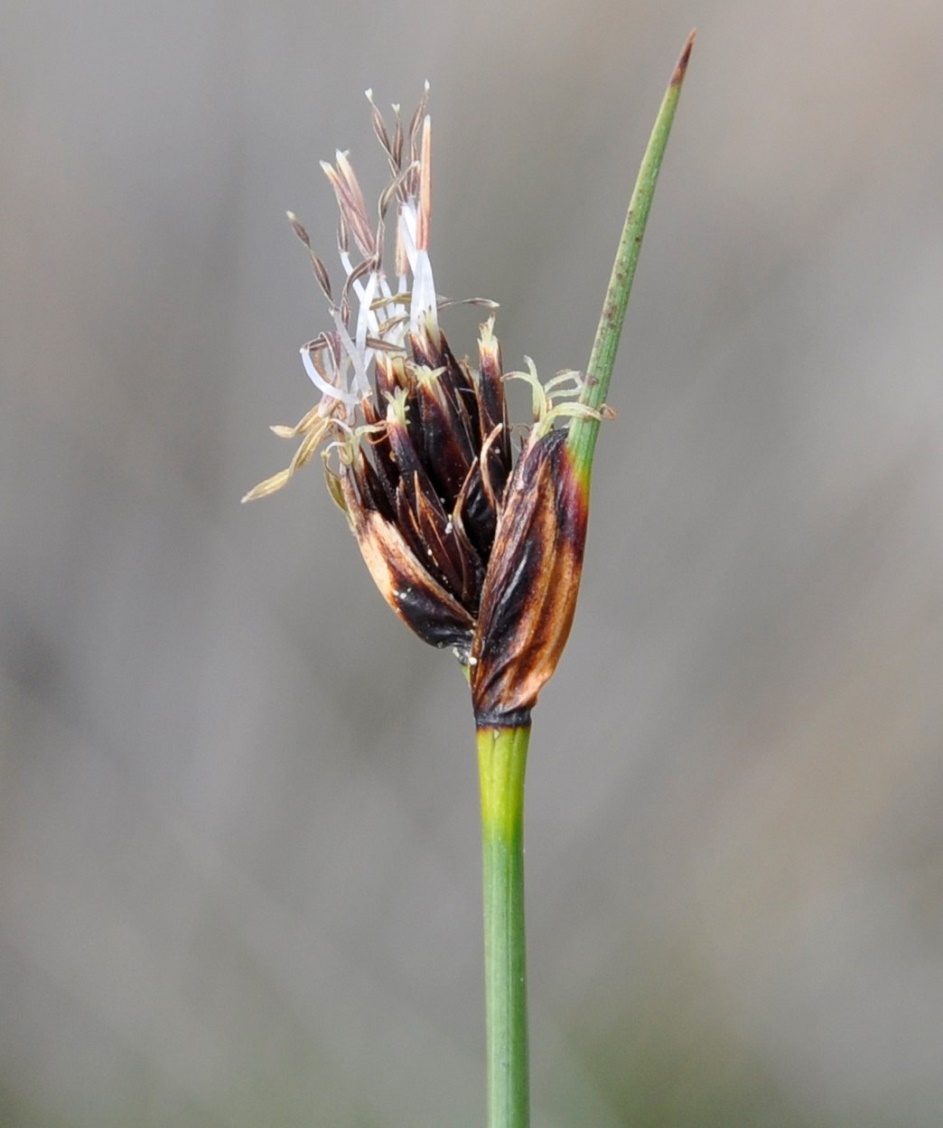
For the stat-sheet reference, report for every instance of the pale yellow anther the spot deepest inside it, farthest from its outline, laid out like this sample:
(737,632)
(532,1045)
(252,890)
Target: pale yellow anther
(425,188)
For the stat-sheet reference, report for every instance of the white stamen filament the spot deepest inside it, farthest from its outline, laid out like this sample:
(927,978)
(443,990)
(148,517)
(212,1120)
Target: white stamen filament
(366,317)
(332,390)
(356,358)
(407,231)
(379,314)
(423,300)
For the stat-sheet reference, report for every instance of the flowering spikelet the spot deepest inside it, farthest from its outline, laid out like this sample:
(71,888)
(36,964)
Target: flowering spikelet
(472,550)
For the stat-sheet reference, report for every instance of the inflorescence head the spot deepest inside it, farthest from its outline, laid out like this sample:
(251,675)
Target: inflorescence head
(473,548)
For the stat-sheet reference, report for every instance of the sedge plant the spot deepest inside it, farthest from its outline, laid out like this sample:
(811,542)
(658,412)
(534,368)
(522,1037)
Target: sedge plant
(475,539)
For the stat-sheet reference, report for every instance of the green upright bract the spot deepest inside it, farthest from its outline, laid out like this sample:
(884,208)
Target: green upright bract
(585,429)
(477,546)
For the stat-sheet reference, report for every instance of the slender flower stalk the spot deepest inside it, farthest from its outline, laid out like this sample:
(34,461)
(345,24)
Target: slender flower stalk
(472,531)
(502,758)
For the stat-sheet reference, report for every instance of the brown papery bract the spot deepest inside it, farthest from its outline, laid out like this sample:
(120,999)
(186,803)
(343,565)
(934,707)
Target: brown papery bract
(530,589)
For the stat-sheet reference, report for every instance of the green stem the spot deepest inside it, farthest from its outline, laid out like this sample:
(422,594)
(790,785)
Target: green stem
(584,430)
(502,758)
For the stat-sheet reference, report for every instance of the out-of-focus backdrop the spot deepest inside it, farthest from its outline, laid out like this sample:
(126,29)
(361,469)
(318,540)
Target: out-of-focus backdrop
(239,869)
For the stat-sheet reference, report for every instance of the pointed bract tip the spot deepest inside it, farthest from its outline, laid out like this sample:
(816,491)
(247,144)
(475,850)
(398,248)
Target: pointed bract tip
(678,77)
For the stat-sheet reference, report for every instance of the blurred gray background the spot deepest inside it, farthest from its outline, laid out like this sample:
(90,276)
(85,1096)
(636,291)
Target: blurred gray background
(239,868)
